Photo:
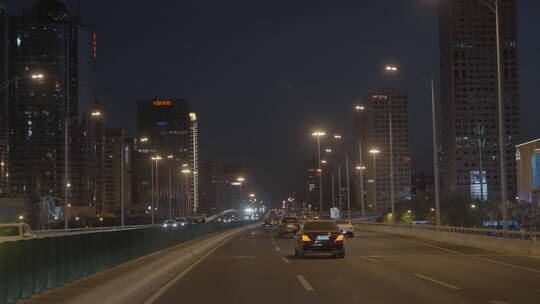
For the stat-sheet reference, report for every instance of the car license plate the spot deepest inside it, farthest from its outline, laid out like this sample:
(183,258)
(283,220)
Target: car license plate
(323,237)
(290,226)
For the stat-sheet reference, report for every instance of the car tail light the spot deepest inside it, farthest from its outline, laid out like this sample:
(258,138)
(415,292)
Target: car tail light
(305,238)
(340,238)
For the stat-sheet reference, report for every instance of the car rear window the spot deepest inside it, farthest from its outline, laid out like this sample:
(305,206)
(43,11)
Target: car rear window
(9,231)
(290,220)
(320,225)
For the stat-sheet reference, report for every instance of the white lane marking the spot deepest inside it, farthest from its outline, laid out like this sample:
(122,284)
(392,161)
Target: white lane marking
(498,302)
(476,257)
(304,283)
(277,249)
(437,281)
(505,264)
(427,245)
(286,260)
(369,259)
(166,287)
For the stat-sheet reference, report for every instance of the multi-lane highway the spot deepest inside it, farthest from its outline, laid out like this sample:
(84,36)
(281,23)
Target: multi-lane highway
(256,267)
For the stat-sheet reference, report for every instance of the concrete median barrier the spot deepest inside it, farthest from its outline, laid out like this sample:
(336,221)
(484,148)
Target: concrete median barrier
(529,247)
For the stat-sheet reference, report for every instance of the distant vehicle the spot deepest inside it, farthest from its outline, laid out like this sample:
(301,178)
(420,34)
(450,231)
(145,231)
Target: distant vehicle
(267,223)
(15,232)
(346,227)
(171,224)
(288,225)
(512,225)
(319,237)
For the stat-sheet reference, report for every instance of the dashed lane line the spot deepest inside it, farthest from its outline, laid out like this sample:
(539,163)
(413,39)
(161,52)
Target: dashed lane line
(437,281)
(305,283)
(369,259)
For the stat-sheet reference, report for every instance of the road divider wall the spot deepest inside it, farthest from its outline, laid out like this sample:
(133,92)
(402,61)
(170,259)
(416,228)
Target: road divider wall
(30,267)
(520,246)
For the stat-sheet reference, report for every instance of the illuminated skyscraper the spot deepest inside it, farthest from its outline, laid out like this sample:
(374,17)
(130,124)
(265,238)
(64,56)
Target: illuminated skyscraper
(194,161)
(470,158)
(4,79)
(166,129)
(49,142)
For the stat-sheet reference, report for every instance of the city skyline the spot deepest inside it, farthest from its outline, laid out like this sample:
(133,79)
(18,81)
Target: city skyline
(289,86)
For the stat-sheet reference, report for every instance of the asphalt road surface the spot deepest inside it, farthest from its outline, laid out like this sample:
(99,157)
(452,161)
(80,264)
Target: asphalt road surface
(257,267)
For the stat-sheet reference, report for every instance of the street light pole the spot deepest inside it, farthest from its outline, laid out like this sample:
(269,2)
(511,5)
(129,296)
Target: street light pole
(392,194)
(374,153)
(339,185)
(362,203)
(152,192)
(500,102)
(435,146)
(122,183)
(348,185)
(435,155)
(318,134)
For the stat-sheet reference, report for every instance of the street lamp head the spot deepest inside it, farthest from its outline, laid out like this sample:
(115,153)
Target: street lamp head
(391,68)
(374,151)
(337,136)
(360,168)
(37,76)
(156,158)
(170,156)
(318,133)
(359,107)
(96,114)
(252,195)
(240,179)
(144,139)
(186,171)
(323,161)
(328,150)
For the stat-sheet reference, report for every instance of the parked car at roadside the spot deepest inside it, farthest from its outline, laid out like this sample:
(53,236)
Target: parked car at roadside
(15,232)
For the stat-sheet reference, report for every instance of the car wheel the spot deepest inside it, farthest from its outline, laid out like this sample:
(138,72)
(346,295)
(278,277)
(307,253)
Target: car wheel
(340,255)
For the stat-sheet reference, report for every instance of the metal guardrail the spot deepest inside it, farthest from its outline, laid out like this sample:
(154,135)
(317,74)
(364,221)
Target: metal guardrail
(510,234)
(55,232)
(32,266)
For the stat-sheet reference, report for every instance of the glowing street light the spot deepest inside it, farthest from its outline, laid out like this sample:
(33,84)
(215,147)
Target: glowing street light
(391,68)
(144,139)
(240,179)
(252,195)
(360,168)
(323,162)
(328,150)
(337,136)
(96,114)
(37,76)
(359,107)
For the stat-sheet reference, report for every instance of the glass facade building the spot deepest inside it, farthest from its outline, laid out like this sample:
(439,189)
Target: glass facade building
(49,137)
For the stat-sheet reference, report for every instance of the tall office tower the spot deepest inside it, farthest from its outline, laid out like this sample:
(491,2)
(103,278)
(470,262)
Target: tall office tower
(117,172)
(470,158)
(375,136)
(163,130)
(96,133)
(194,161)
(51,59)
(4,79)
(219,187)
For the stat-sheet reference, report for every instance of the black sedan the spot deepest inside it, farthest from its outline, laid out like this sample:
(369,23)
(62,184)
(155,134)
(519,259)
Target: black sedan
(319,237)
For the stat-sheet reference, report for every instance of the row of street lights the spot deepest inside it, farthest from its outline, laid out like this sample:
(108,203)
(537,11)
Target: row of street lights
(493,5)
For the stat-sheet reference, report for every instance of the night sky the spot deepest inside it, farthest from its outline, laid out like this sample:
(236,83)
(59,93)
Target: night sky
(263,74)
